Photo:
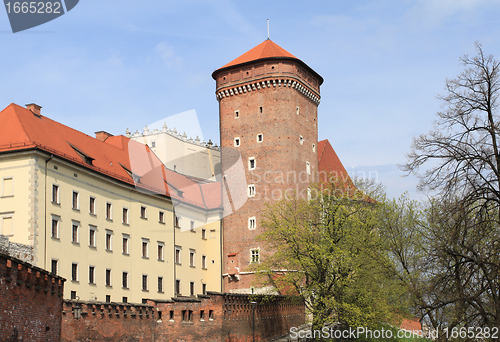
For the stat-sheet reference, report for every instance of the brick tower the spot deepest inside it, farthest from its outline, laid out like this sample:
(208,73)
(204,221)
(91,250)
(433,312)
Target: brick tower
(268,107)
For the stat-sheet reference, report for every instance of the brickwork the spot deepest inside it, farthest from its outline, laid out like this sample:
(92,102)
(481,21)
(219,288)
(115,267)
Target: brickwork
(30,302)
(274,117)
(206,318)
(106,322)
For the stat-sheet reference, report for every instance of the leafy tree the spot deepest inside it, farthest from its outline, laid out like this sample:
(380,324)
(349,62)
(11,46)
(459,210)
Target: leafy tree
(326,250)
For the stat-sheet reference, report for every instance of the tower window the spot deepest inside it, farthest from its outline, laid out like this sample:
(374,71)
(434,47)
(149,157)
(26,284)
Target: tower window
(260,138)
(236,142)
(308,168)
(260,108)
(236,114)
(314,148)
(251,223)
(251,163)
(301,140)
(251,190)
(255,255)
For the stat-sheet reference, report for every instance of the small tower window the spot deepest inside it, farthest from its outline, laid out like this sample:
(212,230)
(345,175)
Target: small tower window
(251,190)
(251,163)
(236,142)
(260,138)
(298,111)
(251,223)
(308,168)
(260,108)
(314,148)
(236,114)
(301,140)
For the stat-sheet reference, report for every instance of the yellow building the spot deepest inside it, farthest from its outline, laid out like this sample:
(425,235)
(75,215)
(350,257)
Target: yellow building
(105,213)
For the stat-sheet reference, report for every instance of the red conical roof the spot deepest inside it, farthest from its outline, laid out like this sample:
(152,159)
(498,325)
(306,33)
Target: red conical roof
(266,49)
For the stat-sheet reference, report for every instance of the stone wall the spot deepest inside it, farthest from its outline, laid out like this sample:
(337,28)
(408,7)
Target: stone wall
(16,250)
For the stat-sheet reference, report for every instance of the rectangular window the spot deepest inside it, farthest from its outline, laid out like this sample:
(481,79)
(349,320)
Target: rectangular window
(74,272)
(109,211)
(161,247)
(7,187)
(144,282)
(91,274)
(251,222)
(251,163)
(92,236)
(143,212)
(109,240)
(76,200)
(251,190)
(153,144)
(108,277)
(125,280)
(204,288)
(308,168)
(236,142)
(260,138)
(177,287)
(55,194)
(108,299)
(204,234)
(72,295)
(74,232)
(161,217)
(54,266)
(92,205)
(125,216)
(236,114)
(204,262)
(191,288)
(301,140)
(254,255)
(298,112)
(212,234)
(55,228)
(191,227)
(192,253)
(7,224)
(177,222)
(125,240)
(178,255)
(160,284)
(145,248)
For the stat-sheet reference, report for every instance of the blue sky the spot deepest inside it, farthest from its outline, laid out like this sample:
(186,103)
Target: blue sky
(112,65)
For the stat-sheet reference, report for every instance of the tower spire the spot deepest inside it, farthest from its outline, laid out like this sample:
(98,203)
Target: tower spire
(267,28)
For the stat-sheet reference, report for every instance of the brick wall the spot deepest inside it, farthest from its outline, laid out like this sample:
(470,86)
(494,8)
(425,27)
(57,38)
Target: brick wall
(30,302)
(105,322)
(214,317)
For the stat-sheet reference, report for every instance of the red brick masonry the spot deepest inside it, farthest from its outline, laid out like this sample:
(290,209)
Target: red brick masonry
(30,302)
(212,317)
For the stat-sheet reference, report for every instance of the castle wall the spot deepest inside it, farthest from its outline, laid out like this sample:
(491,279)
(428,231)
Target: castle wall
(30,302)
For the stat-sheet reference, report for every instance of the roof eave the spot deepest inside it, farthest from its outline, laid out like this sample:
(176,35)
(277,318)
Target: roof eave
(320,79)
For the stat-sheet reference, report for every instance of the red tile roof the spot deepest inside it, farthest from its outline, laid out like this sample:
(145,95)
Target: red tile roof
(265,50)
(118,157)
(331,168)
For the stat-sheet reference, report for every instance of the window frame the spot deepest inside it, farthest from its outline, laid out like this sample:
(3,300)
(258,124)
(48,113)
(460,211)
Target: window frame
(75,200)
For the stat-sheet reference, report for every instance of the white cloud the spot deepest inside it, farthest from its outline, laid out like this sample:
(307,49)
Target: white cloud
(168,55)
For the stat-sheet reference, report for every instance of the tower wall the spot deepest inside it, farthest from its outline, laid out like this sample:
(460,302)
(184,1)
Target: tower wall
(277,98)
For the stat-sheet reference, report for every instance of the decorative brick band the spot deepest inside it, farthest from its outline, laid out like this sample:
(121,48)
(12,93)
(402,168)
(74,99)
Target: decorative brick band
(241,89)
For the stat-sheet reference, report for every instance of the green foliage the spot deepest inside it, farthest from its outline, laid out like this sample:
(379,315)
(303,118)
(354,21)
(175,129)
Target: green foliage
(328,250)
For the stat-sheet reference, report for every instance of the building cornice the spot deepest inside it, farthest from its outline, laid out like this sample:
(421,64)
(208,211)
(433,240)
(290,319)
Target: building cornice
(268,82)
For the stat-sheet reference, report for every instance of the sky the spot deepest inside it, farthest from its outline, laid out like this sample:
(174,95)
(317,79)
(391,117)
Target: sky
(115,65)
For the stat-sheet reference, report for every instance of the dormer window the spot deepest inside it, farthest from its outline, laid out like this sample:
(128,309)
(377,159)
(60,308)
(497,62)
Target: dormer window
(87,159)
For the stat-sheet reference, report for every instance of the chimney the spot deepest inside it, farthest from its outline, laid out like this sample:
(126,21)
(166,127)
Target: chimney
(102,135)
(35,109)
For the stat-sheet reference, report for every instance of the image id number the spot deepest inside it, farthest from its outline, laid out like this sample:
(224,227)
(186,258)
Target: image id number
(33,7)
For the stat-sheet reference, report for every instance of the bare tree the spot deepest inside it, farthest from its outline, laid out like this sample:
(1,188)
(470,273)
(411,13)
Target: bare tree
(462,158)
